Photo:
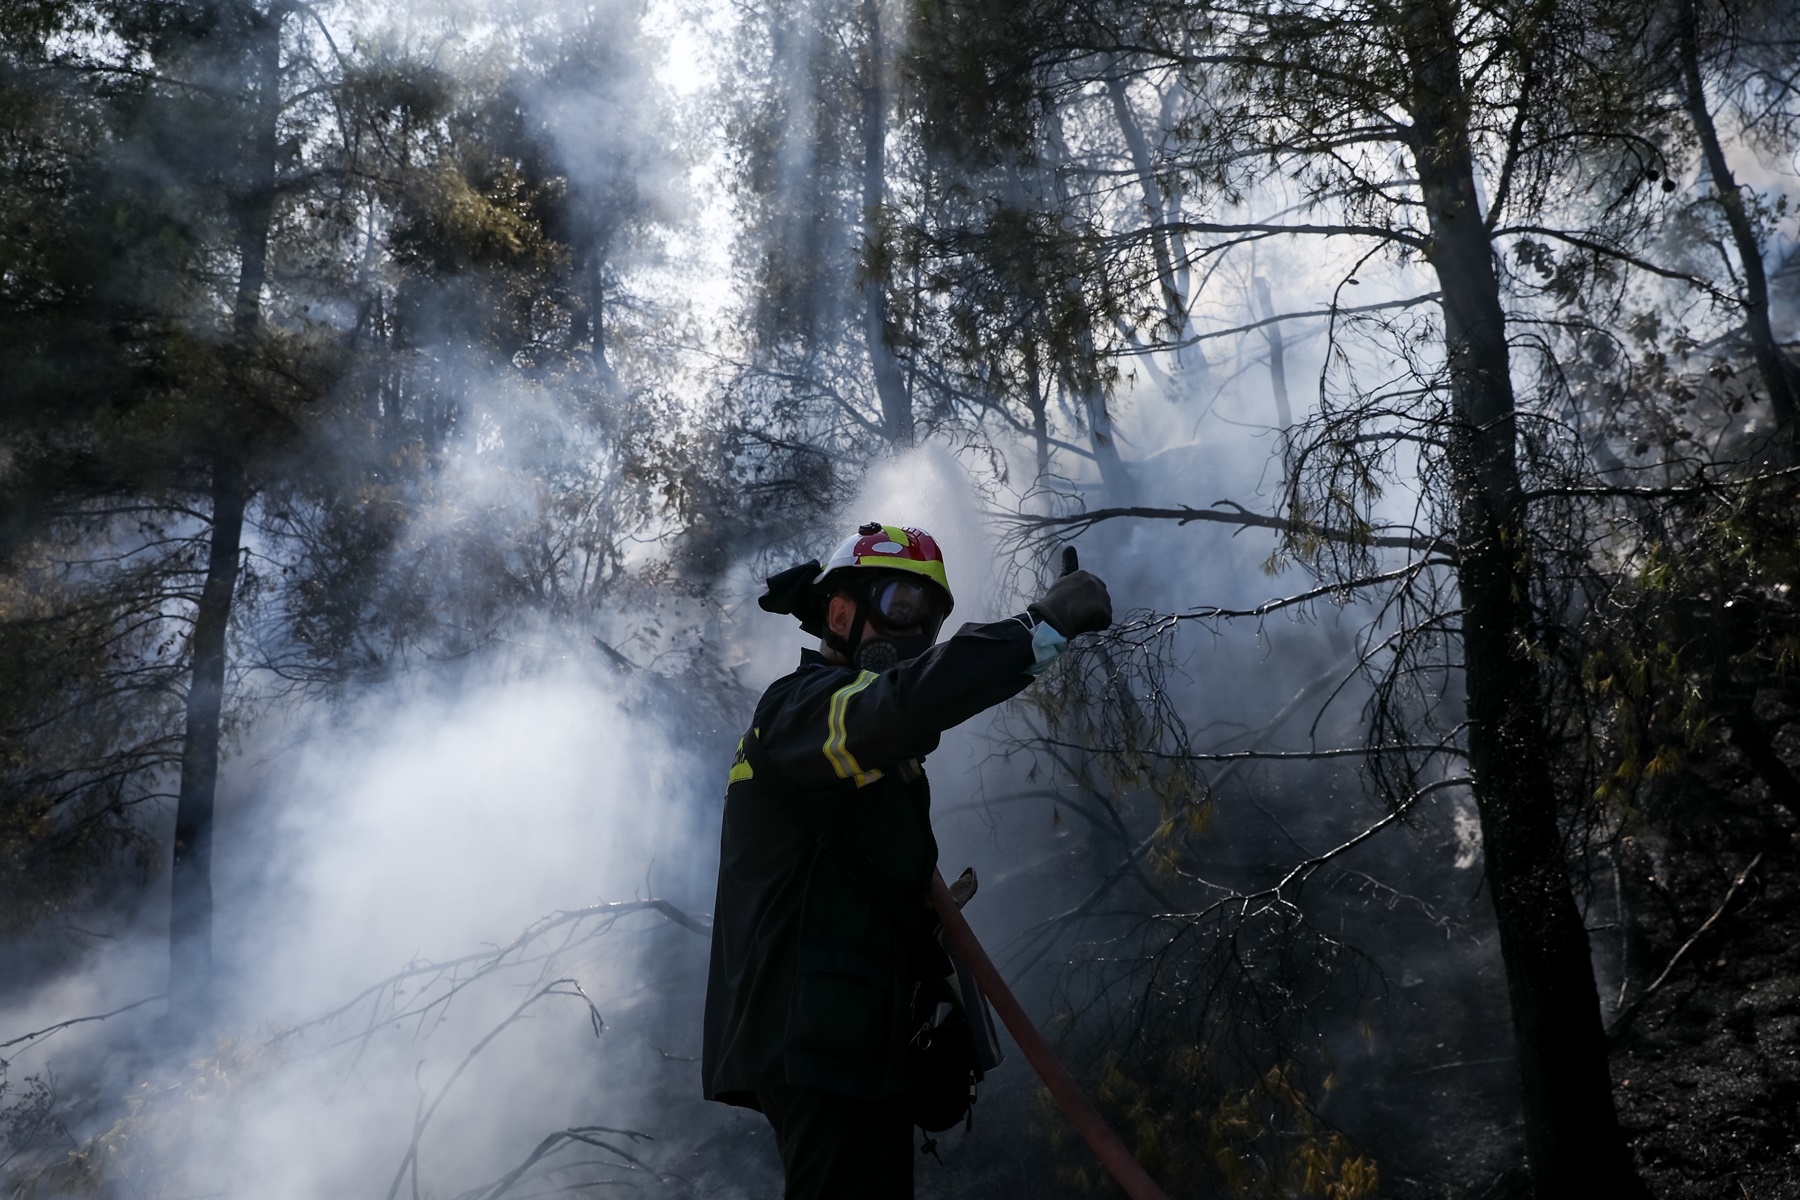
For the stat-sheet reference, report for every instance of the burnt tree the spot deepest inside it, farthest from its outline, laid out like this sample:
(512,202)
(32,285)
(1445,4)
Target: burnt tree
(1571,1129)
(1384,117)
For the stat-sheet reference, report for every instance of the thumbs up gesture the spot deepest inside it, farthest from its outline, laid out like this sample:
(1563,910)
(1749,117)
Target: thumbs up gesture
(1077,602)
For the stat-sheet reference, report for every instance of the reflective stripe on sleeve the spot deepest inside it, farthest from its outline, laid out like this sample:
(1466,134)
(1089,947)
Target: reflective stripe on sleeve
(740,765)
(837,749)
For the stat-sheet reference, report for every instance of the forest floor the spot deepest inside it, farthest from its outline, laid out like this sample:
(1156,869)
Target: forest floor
(1706,1070)
(1707,1078)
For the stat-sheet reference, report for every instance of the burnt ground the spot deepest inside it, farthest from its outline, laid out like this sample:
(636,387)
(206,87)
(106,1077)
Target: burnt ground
(1707,1076)
(1706,1068)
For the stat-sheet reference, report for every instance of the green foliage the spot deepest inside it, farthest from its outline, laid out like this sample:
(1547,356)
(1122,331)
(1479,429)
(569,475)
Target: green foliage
(139,1152)
(795,126)
(85,738)
(1205,1135)
(1699,641)
(367,278)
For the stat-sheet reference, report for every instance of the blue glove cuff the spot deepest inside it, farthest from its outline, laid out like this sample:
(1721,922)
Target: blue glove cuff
(1046,644)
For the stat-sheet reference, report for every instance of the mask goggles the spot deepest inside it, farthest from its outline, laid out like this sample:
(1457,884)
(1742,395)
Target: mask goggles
(898,602)
(889,604)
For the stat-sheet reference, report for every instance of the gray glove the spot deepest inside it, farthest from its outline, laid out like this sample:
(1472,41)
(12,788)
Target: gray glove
(1076,603)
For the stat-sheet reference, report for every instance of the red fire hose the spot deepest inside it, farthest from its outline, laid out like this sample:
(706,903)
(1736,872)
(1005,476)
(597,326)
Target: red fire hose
(1093,1128)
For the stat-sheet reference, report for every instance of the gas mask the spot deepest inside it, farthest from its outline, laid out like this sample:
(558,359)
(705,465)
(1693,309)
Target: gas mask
(879,653)
(891,602)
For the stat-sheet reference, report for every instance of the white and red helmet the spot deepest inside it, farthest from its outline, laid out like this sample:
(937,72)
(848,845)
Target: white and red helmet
(880,547)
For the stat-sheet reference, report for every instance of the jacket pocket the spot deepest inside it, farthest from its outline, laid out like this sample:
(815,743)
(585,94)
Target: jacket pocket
(841,1006)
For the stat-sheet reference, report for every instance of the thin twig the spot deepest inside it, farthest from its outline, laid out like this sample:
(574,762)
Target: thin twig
(495,958)
(1630,1011)
(61,1025)
(1076,523)
(424,1116)
(579,1134)
(1473,1062)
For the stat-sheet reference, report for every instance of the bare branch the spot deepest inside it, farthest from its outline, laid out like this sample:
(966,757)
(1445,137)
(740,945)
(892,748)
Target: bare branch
(493,959)
(1078,523)
(1630,1011)
(553,988)
(1409,302)
(38,1035)
(575,1135)
(1340,587)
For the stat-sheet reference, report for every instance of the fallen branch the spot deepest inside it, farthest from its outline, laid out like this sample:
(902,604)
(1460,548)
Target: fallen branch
(587,1135)
(423,1118)
(62,1025)
(1630,1011)
(491,960)
(1073,524)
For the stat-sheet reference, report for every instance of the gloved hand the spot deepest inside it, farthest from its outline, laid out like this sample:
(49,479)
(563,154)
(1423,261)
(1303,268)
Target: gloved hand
(1076,603)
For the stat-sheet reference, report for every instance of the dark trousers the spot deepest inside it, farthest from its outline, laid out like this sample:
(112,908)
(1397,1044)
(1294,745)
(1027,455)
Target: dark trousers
(836,1147)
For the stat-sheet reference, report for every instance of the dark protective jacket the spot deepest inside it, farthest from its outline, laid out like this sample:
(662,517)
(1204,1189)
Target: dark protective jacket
(810,981)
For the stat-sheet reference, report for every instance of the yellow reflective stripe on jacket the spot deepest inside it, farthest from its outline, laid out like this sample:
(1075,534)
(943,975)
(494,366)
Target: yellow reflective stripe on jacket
(740,766)
(837,749)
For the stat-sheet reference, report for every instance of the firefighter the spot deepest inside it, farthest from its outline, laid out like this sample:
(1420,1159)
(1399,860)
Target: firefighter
(827,850)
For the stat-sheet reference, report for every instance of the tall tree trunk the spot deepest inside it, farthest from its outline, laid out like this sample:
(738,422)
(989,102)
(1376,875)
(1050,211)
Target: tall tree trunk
(1114,474)
(1753,740)
(1174,302)
(1284,412)
(1038,401)
(1781,379)
(253,199)
(595,267)
(1572,1135)
(190,896)
(1168,249)
(1080,374)
(890,382)
(190,885)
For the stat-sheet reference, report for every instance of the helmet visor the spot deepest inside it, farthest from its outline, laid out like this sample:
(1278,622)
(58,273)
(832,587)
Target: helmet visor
(900,603)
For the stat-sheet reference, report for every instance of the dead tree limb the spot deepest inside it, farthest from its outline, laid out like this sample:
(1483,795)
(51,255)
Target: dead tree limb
(1332,590)
(1072,524)
(589,1135)
(423,1118)
(1630,1011)
(488,961)
(26,1039)
(1229,756)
